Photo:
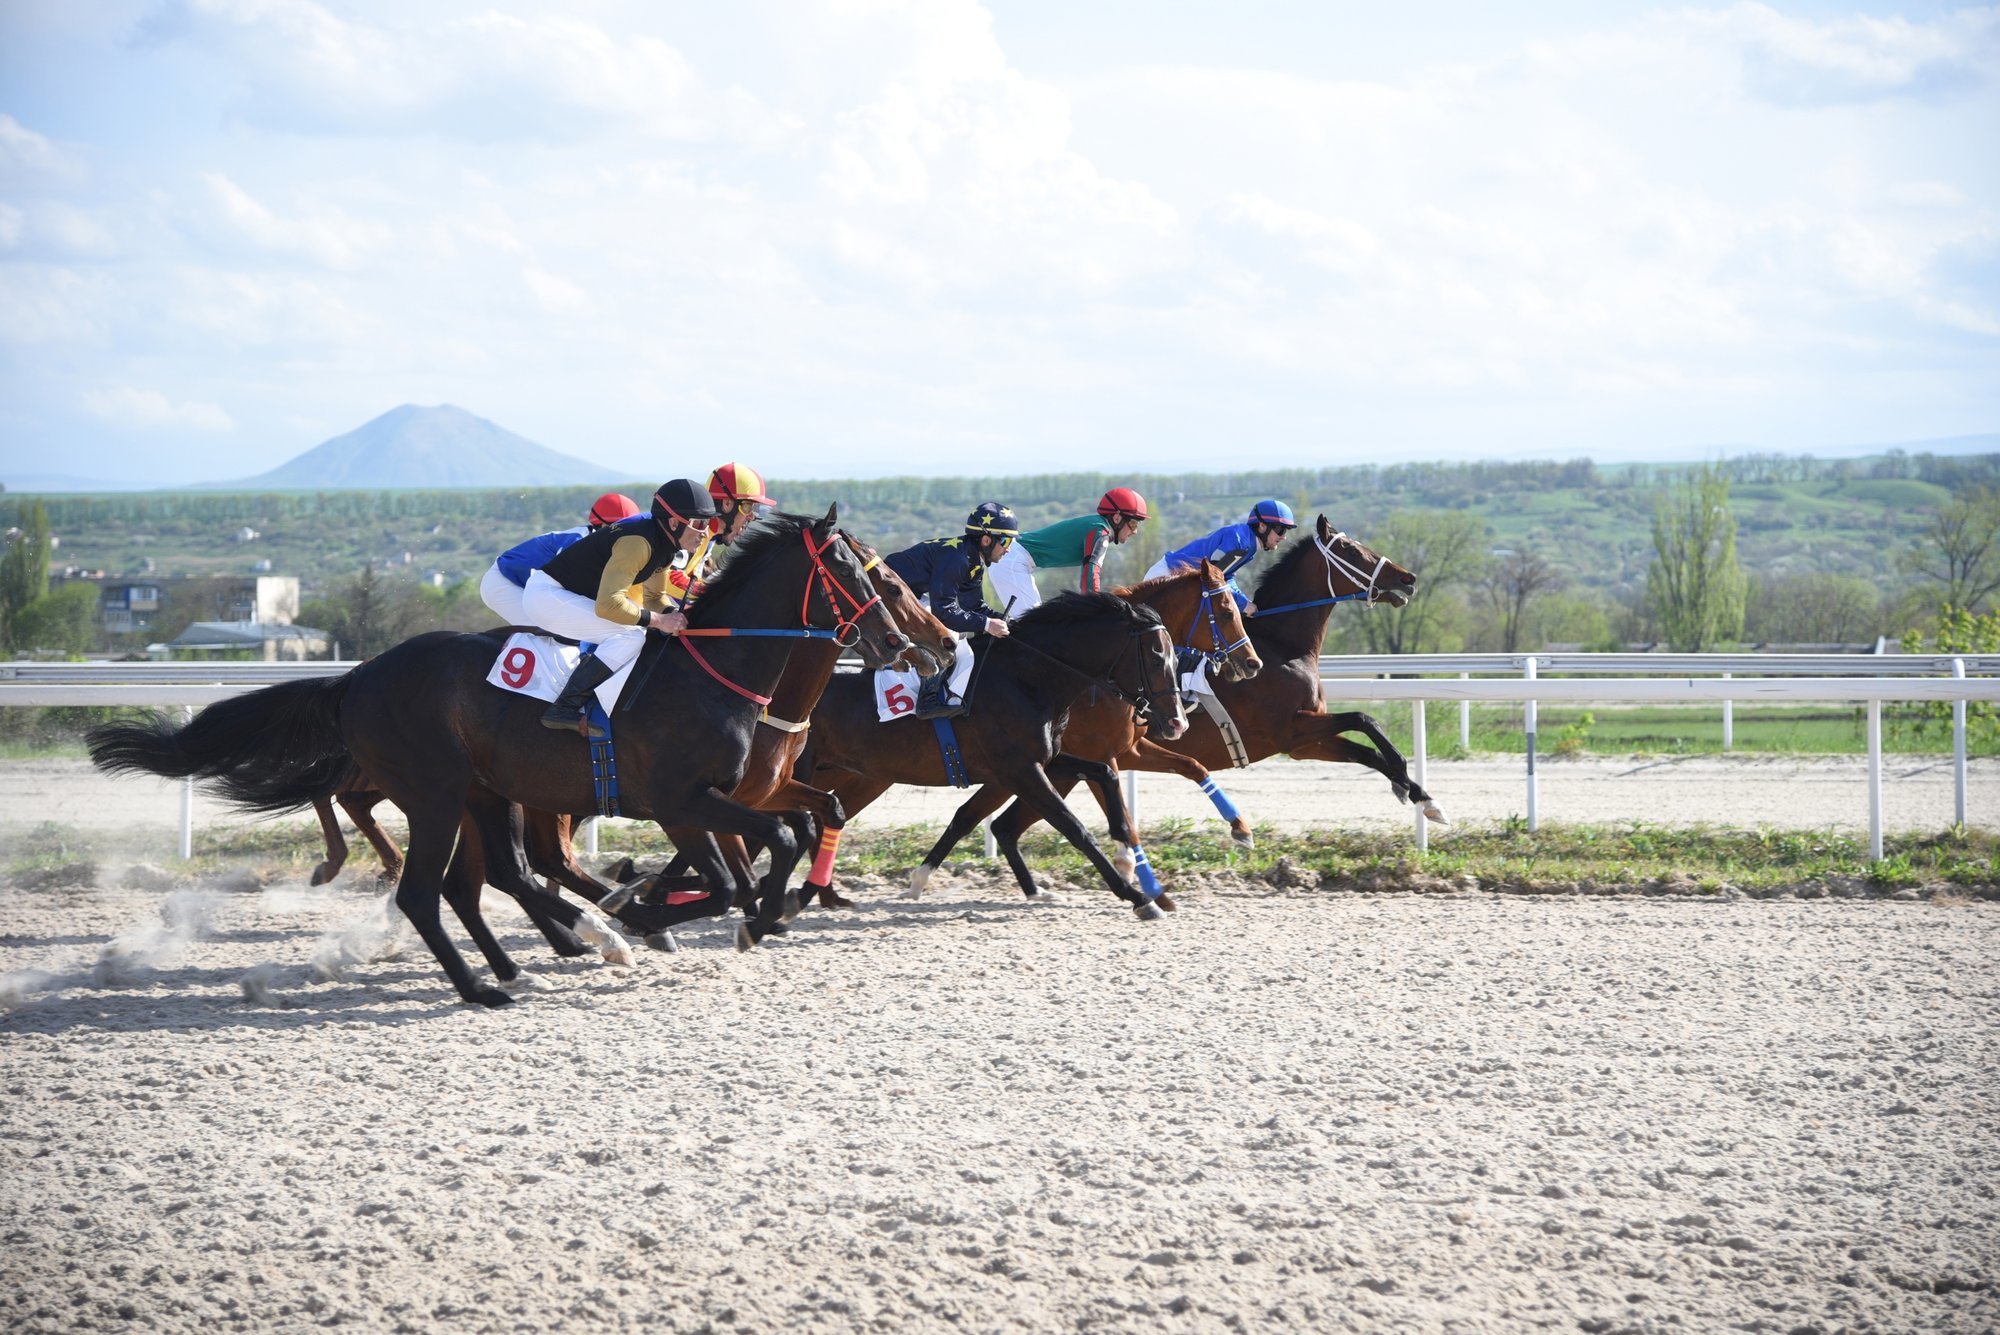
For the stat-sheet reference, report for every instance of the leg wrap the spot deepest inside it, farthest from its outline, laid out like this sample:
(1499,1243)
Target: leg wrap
(1223,805)
(822,868)
(1142,871)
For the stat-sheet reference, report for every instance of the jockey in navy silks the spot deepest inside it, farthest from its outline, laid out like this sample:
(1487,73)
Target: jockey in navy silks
(1232,546)
(500,588)
(949,574)
(613,586)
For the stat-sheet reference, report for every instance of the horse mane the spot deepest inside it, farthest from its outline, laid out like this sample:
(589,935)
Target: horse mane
(1283,568)
(1071,609)
(752,549)
(1158,581)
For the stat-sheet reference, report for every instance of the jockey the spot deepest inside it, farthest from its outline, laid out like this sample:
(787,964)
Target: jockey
(610,588)
(737,492)
(1072,542)
(1232,546)
(501,586)
(948,572)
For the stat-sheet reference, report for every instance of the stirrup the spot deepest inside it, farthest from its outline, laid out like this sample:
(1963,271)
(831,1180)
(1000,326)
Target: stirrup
(934,701)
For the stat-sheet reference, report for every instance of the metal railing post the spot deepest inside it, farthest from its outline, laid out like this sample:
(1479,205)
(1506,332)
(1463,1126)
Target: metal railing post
(992,844)
(1420,752)
(1958,742)
(1465,718)
(1534,817)
(590,835)
(1875,780)
(1728,722)
(1132,799)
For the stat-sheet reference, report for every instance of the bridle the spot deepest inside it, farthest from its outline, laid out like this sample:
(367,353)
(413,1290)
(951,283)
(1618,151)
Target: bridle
(1364,580)
(1217,652)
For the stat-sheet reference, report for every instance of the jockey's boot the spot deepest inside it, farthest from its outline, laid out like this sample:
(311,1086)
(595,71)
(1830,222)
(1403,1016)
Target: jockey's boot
(933,700)
(571,711)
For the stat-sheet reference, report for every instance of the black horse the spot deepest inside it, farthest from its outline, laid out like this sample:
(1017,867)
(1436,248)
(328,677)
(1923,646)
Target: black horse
(424,725)
(1022,693)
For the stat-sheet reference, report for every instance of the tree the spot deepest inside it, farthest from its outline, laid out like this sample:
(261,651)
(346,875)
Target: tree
(1694,584)
(1816,608)
(1509,583)
(1958,553)
(1443,549)
(368,614)
(64,621)
(24,567)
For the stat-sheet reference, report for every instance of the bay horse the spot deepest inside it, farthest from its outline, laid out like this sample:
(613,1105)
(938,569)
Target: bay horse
(1196,607)
(421,721)
(1284,711)
(1024,687)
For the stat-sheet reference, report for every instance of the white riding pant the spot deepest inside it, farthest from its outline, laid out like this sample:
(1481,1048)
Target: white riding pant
(1013,576)
(504,596)
(1157,569)
(557,610)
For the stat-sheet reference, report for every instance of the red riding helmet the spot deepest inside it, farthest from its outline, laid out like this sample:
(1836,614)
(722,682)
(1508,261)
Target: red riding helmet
(610,508)
(734,483)
(1122,501)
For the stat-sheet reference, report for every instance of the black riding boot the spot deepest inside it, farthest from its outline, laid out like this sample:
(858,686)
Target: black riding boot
(934,700)
(571,711)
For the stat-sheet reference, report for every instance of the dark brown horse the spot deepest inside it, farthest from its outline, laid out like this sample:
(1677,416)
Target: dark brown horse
(422,722)
(1196,607)
(1025,686)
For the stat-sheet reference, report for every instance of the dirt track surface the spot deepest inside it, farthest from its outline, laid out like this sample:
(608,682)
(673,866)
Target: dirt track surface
(1740,791)
(1270,1112)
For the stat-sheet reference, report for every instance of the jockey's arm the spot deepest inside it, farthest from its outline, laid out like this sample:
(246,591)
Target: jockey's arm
(621,572)
(1091,579)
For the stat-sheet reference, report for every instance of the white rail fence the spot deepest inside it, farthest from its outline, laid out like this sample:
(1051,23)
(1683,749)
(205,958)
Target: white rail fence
(1529,679)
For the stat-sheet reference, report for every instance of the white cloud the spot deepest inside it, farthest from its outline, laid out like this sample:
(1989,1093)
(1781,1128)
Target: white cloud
(149,409)
(321,234)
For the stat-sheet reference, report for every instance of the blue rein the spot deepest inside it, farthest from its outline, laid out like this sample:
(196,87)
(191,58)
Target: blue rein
(1221,651)
(1317,602)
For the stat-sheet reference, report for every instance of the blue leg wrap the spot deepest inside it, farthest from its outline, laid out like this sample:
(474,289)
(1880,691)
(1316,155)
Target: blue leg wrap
(1142,870)
(1223,805)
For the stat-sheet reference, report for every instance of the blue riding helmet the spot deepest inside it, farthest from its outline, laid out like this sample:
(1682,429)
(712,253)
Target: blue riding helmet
(992,517)
(1273,512)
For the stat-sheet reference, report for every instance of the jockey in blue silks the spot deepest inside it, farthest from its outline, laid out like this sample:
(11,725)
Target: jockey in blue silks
(1232,546)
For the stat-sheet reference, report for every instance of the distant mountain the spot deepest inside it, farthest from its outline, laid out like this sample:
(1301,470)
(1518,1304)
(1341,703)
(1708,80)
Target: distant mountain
(413,446)
(55,484)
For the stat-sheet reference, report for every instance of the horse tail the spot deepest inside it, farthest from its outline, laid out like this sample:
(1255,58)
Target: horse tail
(272,751)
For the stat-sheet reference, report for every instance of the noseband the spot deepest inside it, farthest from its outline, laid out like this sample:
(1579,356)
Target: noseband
(1217,650)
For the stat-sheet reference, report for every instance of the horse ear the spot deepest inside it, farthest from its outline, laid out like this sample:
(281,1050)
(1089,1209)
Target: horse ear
(1208,568)
(1324,529)
(832,515)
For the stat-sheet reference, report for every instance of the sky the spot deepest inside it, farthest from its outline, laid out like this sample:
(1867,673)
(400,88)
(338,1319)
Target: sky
(860,237)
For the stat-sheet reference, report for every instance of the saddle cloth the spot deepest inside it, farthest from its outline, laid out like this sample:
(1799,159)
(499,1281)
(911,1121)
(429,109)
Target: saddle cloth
(896,690)
(539,665)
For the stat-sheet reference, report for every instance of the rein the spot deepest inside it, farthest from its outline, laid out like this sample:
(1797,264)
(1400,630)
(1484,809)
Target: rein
(1141,702)
(1364,588)
(1218,650)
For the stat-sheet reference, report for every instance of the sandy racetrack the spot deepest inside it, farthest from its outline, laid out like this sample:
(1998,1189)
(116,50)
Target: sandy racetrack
(1275,1111)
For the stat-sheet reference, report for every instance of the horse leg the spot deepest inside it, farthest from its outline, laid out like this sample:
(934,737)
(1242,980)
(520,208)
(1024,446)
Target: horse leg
(1149,754)
(721,814)
(360,808)
(1317,737)
(464,879)
(1041,796)
(504,830)
(553,856)
(336,843)
(854,792)
(1103,780)
(989,799)
(434,816)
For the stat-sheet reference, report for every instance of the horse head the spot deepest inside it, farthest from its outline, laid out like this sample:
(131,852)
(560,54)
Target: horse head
(1154,677)
(931,641)
(844,590)
(1222,625)
(1356,566)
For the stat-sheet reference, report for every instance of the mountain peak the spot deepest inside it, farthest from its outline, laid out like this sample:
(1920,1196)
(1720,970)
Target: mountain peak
(414,445)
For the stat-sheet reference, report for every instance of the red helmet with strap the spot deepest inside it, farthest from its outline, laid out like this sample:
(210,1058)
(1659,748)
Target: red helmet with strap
(1122,501)
(610,508)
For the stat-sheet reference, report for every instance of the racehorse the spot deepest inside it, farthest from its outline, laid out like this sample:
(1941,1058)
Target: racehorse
(1196,607)
(1284,711)
(1023,688)
(420,721)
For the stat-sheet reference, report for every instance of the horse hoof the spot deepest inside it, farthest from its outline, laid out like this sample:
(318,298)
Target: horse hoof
(745,938)
(491,997)
(1166,902)
(1148,912)
(1431,813)
(1243,837)
(829,900)
(320,875)
(791,908)
(920,876)
(663,941)
(621,870)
